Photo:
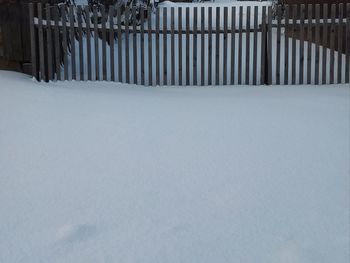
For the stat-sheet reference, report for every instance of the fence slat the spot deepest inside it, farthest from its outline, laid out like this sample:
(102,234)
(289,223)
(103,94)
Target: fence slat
(165,47)
(127,46)
(88,42)
(195,18)
(294,44)
(172,57)
(286,45)
(210,15)
(104,44)
(269,47)
(247,47)
(317,44)
(57,44)
(111,42)
(81,50)
(278,48)
(202,46)
(255,45)
(120,45)
(64,40)
(263,47)
(225,46)
(309,41)
(142,19)
(347,63)
(97,55)
(134,44)
(233,45)
(332,44)
(301,44)
(41,43)
(240,43)
(340,43)
(324,44)
(150,40)
(33,41)
(217,47)
(72,42)
(157,48)
(187,46)
(49,44)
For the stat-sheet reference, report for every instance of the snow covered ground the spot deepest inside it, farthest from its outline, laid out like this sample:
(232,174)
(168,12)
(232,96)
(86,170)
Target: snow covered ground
(104,172)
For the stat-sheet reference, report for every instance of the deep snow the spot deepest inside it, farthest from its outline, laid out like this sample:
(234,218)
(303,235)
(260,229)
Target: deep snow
(104,172)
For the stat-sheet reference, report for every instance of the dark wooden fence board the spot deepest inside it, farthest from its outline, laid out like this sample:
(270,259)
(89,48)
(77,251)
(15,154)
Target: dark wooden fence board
(317,44)
(247,47)
(150,41)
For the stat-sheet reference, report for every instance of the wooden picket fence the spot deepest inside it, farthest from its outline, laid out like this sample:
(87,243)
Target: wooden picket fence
(192,45)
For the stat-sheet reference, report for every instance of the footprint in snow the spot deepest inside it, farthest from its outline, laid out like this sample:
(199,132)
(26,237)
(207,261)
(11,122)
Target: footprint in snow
(75,233)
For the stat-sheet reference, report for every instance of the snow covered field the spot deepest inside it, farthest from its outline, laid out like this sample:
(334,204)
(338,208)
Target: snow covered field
(104,172)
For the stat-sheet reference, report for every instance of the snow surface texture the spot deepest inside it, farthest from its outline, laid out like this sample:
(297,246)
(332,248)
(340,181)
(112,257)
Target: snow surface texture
(104,172)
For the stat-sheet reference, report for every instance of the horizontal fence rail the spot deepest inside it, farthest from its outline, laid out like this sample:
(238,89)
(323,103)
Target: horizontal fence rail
(252,45)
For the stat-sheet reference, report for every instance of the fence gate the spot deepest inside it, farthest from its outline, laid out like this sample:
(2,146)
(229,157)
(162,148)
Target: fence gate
(253,45)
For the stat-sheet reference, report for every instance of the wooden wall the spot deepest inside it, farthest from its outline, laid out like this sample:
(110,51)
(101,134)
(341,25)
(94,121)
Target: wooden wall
(14,17)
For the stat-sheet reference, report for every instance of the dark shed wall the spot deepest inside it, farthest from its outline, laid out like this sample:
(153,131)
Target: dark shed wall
(14,17)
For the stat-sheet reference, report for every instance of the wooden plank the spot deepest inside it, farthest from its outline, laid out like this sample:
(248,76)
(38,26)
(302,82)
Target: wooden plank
(57,43)
(150,41)
(165,47)
(324,44)
(49,44)
(157,48)
(347,63)
(111,41)
(172,57)
(332,44)
(210,29)
(278,48)
(104,42)
(41,43)
(72,42)
(33,42)
(233,45)
(217,47)
(195,18)
(294,44)
(187,46)
(286,45)
(340,43)
(269,45)
(309,41)
(81,47)
(225,46)
(317,44)
(97,55)
(247,47)
(240,47)
(127,45)
(255,45)
(202,46)
(120,45)
(142,27)
(263,47)
(134,43)
(88,42)
(301,46)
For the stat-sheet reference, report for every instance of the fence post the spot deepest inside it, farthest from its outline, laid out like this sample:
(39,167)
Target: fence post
(347,70)
(263,47)
(268,75)
(35,72)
